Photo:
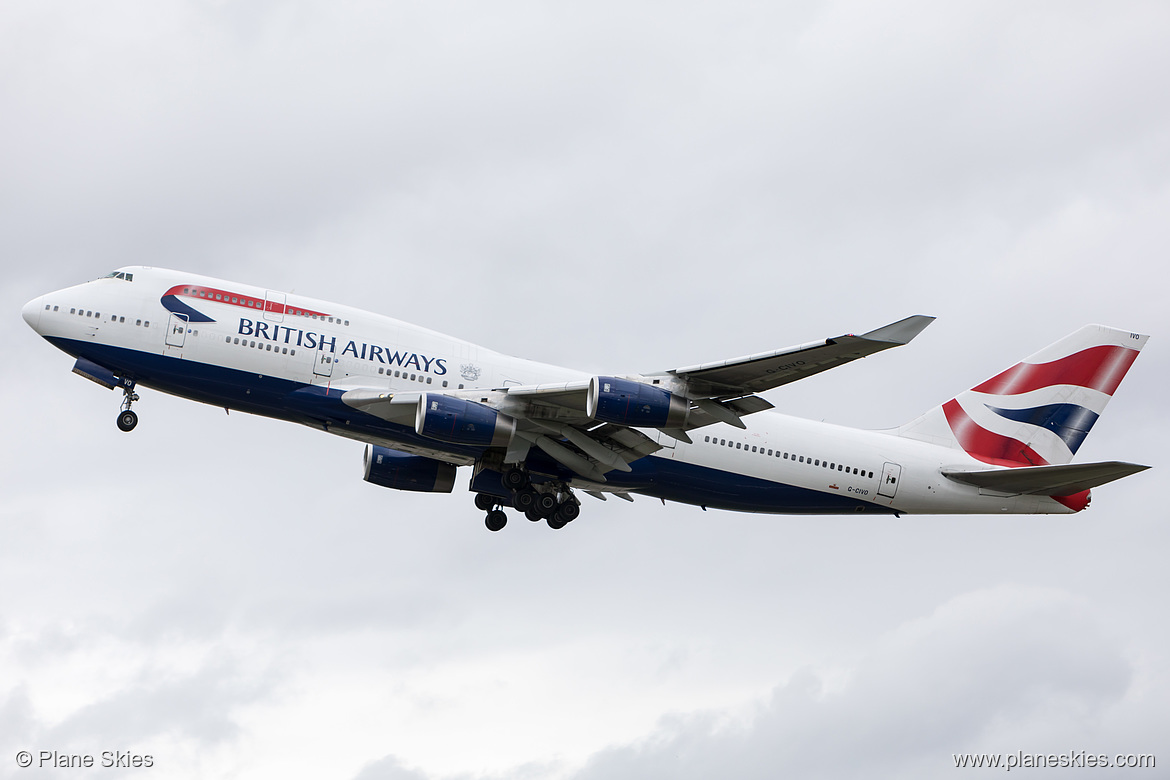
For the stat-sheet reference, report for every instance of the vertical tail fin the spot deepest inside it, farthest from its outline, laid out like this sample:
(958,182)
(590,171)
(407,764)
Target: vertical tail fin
(1038,411)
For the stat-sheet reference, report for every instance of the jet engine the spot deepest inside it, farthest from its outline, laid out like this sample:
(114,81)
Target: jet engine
(403,471)
(625,402)
(457,421)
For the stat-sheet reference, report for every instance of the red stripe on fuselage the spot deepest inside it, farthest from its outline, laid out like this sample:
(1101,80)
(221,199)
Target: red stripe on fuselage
(244,301)
(1098,368)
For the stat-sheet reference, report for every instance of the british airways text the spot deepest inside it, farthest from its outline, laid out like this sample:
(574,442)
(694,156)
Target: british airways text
(310,340)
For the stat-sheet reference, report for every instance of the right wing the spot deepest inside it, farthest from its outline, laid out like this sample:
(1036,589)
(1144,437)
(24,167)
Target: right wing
(564,419)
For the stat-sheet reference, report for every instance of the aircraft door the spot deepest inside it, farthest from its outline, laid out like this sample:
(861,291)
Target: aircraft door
(666,443)
(273,306)
(177,330)
(891,473)
(323,363)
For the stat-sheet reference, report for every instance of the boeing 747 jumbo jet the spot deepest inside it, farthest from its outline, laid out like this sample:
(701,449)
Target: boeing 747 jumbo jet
(533,434)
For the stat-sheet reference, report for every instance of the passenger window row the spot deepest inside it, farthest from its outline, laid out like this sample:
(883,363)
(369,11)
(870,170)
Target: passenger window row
(404,375)
(98,315)
(816,462)
(264,346)
(259,303)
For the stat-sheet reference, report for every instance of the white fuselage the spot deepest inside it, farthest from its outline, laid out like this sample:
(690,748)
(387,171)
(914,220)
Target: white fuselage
(259,346)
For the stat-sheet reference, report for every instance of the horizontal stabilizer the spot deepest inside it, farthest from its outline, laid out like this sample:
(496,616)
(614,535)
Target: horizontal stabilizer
(1062,480)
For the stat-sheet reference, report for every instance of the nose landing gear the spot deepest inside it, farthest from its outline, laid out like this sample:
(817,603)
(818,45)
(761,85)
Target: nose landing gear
(127,418)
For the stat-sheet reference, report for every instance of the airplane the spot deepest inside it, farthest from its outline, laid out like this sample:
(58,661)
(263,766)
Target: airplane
(536,435)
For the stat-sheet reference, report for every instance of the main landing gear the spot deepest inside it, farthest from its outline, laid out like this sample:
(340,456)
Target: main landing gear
(556,506)
(127,418)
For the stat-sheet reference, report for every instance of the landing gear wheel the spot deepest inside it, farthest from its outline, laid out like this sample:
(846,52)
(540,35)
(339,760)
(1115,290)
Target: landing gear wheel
(485,502)
(515,479)
(546,504)
(555,523)
(568,511)
(525,499)
(495,520)
(127,420)
(533,515)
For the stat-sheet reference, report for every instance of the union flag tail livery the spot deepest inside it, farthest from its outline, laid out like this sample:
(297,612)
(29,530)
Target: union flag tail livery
(533,437)
(1039,411)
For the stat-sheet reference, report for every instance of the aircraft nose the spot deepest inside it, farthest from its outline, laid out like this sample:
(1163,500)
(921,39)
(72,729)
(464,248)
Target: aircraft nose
(32,312)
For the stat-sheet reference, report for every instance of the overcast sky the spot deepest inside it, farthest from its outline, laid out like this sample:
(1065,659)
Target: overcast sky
(617,187)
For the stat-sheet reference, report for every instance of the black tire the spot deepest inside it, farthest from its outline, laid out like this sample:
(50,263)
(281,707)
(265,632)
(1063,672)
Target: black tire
(514,479)
(546,504)
(568,511)
(525,500)
(495,520)
(485,502)
(533,515)
(127,420)
(555,523)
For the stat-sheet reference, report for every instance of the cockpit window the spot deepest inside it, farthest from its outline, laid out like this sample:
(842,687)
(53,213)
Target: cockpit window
(119,275)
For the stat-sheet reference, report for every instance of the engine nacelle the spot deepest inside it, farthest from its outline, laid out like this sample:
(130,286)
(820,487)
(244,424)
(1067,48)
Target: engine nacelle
(625,402)
(457,421)
(403,471)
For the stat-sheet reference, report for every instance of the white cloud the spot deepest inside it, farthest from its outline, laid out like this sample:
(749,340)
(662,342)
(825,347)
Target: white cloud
(986,671)
(618,187)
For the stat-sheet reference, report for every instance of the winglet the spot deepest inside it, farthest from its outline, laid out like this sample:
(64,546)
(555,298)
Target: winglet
(900,332)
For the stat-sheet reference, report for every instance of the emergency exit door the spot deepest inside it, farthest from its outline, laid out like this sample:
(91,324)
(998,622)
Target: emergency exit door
(323,366)
(177,330)
(891,473)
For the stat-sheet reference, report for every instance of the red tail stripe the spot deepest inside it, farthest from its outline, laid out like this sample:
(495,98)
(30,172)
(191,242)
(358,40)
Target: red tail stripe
(1098,368)
(998,450)
(1076,502)
(985,445)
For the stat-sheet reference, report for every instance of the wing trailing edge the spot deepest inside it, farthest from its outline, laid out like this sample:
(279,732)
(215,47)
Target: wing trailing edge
(767,370)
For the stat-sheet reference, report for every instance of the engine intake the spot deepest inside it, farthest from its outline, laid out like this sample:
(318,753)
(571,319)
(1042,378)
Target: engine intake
(457,421)
(403,471)
(626,402)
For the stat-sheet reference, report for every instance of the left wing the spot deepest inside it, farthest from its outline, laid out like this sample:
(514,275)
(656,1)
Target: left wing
(757,373)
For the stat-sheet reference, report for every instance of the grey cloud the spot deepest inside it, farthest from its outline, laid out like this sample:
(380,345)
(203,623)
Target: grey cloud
(159,702)
(618,187)
(200,706)
(985,663)
(389,768)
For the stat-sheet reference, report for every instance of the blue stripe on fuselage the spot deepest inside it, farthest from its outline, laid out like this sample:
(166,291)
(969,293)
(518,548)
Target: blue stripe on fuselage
(313,405)
(172,304)
(690,483)
(246,391)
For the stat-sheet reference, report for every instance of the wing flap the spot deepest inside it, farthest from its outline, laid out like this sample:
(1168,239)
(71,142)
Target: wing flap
(397,408)
(567,395)
(1061,480)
